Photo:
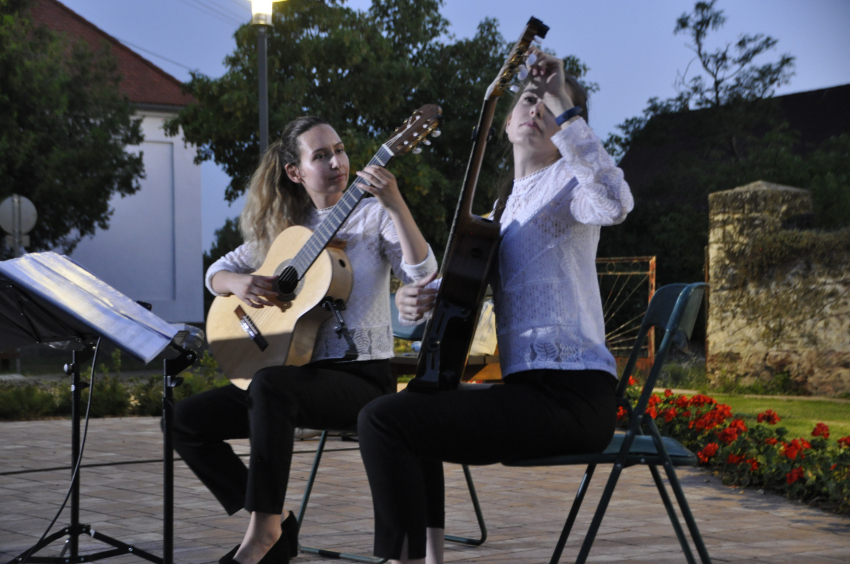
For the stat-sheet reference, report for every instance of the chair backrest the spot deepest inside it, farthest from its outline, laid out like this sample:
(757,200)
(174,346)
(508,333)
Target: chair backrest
(673,309)
(400,331)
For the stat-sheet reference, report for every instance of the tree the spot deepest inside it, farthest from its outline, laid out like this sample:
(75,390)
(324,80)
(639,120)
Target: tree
(723,129)
(63,130)
(363,72)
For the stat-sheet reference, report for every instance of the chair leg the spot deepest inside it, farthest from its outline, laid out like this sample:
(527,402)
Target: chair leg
(686,512)
(678,492)
(674,519)
(571,518)
(607,493)
(303,510)
(478,514)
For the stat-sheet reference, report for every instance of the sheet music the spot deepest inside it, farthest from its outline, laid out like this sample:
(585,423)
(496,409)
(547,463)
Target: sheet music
(96,304)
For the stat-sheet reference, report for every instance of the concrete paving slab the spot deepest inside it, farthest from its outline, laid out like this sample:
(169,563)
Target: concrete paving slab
(524,508)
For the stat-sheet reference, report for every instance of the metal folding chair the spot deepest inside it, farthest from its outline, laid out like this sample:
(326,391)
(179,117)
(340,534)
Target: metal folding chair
(411,334)
(673,309)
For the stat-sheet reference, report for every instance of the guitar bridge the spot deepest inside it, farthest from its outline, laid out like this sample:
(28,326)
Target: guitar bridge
(251,329)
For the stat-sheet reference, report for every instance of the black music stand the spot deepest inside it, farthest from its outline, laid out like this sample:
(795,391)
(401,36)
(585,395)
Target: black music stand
(46,298)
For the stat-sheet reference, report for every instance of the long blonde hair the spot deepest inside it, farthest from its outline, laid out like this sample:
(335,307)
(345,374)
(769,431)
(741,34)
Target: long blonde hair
(275,202)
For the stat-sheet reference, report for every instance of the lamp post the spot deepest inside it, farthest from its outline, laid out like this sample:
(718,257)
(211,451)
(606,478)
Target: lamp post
(261,16)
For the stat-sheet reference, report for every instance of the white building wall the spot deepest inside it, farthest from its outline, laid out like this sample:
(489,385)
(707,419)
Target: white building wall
(152,251)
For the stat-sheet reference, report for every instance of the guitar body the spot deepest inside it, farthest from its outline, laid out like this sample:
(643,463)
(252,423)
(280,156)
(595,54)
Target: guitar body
(290,327)
(458,304)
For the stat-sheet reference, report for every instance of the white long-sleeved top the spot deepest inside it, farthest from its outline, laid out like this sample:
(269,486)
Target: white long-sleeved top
(545,289)
(372,248)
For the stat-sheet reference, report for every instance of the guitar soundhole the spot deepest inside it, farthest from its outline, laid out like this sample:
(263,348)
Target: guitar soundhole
(287,283)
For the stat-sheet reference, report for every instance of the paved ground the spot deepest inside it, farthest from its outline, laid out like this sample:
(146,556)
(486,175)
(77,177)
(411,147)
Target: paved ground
(524,508)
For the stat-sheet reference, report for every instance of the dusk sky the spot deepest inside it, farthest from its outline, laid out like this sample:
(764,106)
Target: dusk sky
(628,44)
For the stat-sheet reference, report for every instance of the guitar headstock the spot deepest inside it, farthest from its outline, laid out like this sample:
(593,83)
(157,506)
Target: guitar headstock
(425,120)
(534,28)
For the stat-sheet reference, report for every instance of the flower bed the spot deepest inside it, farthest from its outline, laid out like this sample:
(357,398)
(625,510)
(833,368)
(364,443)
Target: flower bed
(814,469)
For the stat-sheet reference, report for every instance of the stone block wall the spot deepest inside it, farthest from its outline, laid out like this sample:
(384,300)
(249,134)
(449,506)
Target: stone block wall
(780,298)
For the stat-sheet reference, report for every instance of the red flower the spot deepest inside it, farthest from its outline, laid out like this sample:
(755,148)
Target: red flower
(669,414)
(794,475)
(652,412)
(683,402)
(632,381)
(734,458)
(754,465)
(739,425)
(844,441)
(795,447)
(621,413)
(707,452)
(770,417)
(700,400)
(821,430)
(771,441)
(686,413)
(668,392)
(728,435)
(833,466)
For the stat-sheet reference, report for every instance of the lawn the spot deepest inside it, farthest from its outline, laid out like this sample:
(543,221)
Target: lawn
(799,415)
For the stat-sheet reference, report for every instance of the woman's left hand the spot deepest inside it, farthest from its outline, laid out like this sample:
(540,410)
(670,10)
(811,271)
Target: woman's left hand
(547,81)
(382,184)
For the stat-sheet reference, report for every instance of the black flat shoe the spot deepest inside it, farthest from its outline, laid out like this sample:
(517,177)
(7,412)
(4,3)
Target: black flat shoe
(289,528)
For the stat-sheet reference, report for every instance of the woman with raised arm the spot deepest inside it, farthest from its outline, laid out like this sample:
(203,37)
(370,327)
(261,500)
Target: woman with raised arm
(301,177)
(559,378)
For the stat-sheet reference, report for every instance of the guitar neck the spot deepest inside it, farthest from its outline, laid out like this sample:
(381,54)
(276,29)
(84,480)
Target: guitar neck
(329,227)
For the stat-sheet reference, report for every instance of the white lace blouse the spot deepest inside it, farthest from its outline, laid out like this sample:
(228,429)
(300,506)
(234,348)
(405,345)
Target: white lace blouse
(546,293)
(373,248)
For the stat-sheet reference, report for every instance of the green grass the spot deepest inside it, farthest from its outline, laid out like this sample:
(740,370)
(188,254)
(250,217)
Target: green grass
(799,416)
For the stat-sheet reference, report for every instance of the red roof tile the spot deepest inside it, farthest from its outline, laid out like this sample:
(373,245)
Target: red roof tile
(143,82)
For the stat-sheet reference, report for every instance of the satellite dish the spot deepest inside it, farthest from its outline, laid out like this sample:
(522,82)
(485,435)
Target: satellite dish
(17,213)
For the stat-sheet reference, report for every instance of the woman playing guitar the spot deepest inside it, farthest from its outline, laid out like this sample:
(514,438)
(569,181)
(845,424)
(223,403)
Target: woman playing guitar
(559,377)
(301,177)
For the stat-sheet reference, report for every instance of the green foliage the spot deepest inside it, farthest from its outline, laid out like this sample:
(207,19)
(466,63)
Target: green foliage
(111,396)
(63,129)
(26,402)
(754,452)
(722,130)
(365,73)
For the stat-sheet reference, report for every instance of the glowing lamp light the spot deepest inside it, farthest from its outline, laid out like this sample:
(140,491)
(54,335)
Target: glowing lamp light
(261,11)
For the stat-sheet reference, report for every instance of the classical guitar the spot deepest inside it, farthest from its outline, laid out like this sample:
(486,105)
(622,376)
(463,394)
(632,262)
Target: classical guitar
(473,243)
(313,281)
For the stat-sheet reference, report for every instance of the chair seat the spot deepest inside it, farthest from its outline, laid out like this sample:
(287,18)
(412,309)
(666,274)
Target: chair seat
(643,451)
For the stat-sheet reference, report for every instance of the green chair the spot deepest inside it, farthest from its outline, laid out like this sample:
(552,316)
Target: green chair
(673,309)
(412,334)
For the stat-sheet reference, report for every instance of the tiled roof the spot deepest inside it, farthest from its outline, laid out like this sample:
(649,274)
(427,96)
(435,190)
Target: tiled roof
(143,82)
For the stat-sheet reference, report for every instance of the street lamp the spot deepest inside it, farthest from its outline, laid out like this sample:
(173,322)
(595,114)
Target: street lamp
(261,16)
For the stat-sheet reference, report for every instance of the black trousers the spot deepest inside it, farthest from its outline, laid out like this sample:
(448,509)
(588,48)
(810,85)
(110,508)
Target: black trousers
(315,396)
(405,437)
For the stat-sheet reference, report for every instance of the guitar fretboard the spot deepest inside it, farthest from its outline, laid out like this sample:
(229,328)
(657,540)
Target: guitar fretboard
(328,228)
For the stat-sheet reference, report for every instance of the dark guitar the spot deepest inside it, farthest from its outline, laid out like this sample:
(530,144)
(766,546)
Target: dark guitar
(473,243)
(313,281)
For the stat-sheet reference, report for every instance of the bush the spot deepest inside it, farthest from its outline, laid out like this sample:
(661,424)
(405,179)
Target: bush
(813,469)
(26,402)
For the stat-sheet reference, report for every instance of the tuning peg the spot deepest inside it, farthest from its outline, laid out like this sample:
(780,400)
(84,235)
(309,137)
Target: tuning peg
(523,72)
(436,133)
(531,59)
(416,150)
(426,142)
(514,88)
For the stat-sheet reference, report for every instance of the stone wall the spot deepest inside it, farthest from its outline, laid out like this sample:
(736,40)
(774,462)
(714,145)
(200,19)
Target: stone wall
(780,297)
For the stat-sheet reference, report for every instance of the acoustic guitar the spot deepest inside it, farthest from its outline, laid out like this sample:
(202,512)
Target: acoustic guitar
(473,243)
(313,281)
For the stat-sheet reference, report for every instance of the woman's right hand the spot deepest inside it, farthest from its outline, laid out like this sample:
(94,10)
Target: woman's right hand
(251,289)
(415,300)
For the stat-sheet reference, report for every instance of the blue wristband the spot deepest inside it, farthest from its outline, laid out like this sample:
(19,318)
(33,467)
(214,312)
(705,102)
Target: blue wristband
(574,111)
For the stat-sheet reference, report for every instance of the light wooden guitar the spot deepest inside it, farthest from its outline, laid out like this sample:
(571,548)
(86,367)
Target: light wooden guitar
(473,243)
(312,281)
